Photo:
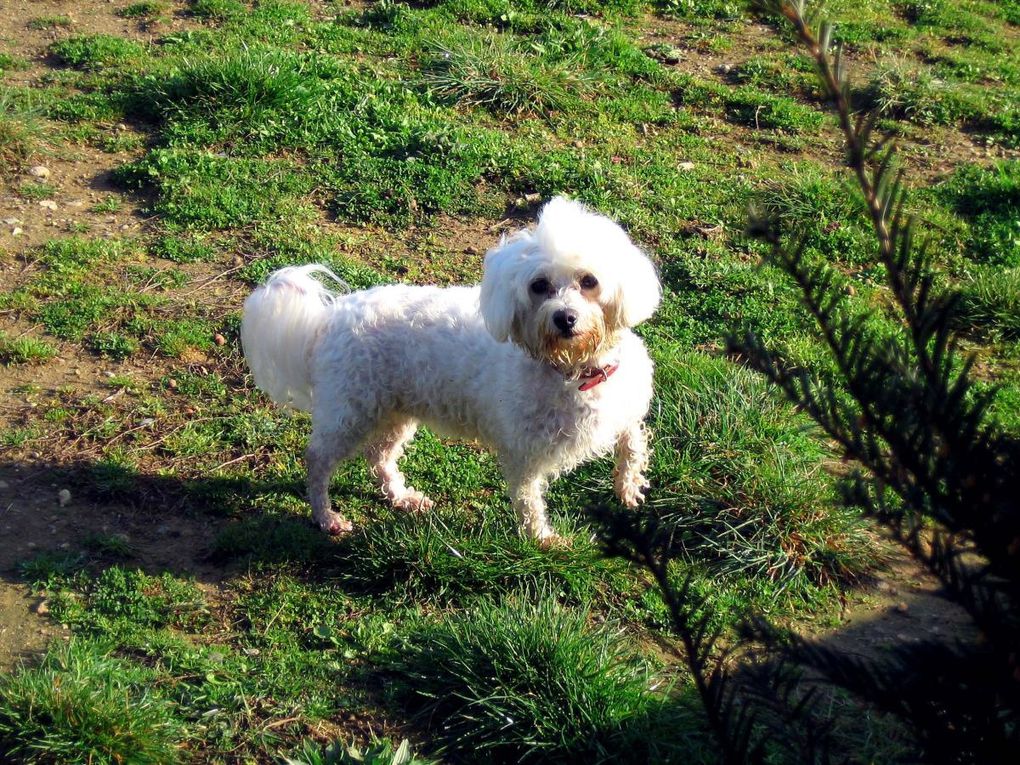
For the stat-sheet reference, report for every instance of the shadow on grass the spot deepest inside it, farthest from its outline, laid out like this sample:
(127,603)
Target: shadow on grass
(208,528)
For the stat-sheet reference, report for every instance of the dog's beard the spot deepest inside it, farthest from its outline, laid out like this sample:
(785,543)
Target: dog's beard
(569,355)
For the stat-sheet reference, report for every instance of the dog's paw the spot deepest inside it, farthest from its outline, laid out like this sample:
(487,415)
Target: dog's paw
(550,540)
(414,502)
(632,494)
(335,525)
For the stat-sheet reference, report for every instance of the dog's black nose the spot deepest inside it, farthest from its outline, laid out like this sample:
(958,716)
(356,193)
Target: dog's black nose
(565,320)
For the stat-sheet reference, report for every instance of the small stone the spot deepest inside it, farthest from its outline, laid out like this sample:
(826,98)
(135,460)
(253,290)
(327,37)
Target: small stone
(12,221)
(685,166)
(64,497)
(39,171)
(901,607)
(17,231)
(42,608)
(219,339)
(171,384)
(48,204)
(4,485)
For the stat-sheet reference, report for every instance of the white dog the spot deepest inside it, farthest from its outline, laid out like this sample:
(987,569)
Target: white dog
(539,363)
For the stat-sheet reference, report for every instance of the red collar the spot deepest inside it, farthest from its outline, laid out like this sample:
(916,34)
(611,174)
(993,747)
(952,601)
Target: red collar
(592,376)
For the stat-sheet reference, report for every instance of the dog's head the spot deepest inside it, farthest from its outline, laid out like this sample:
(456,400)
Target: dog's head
(563,290)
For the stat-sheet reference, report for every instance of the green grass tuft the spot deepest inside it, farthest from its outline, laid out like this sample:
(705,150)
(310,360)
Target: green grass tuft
(95,51)
(499,74)
(50,22)
(991,301)
(989,200)
(82,706)
(736,478)
(146,9)
(24,350)
(521,681)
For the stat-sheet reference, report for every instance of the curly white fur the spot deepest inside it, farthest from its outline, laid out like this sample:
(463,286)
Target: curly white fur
(510,363)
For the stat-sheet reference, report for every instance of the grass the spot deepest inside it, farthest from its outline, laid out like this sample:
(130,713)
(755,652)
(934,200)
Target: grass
(81,706)
(147,9)
(398,141)
(95,51)
(534,681)
(24,350)
(490,72)
(50,22)
(19,130)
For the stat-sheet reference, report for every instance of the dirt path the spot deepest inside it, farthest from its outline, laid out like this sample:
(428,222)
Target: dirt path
(82,202)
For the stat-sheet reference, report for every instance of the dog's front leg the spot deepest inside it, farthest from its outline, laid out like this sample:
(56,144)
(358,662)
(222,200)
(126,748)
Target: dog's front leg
(631,464)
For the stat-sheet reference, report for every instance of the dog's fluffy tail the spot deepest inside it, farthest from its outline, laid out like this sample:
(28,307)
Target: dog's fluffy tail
(281,323)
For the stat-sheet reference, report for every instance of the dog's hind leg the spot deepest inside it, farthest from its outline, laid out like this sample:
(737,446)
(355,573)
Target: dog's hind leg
(383,452)
(526,494)
(329,445)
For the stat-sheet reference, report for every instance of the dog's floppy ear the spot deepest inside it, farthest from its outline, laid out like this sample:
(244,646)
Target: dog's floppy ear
(638,290)
(500,299)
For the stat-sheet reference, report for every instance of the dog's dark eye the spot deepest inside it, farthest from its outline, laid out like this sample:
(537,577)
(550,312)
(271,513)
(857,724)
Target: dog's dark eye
(540,286)
(589,282)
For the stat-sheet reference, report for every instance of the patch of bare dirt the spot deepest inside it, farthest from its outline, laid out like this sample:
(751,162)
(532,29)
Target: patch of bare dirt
(904,605)
(80,200)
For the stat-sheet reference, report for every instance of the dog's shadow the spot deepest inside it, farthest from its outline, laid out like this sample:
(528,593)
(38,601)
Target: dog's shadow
(201,528)
(210,528)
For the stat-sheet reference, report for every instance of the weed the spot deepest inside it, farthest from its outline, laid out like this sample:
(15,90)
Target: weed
(47,568)
(339,753)
(728,10)
(9,62)
(203,191)
(763,111)
(108,205)
(119,600)
(184,249)
(113,345)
